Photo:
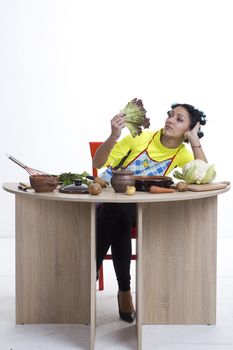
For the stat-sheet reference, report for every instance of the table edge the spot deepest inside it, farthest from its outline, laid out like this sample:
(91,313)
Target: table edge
(109,196)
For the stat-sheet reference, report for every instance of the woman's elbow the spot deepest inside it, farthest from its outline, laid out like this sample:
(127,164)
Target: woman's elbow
(96,164)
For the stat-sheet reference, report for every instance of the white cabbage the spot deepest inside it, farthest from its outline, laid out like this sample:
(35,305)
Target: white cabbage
(196,172)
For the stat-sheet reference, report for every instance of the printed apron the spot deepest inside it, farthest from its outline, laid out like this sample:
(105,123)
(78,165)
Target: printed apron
(143,165)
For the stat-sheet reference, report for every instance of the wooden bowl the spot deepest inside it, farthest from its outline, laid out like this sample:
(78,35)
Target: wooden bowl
(44,183)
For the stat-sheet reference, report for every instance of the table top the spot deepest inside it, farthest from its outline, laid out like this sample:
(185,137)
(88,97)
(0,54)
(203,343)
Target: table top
(109,196)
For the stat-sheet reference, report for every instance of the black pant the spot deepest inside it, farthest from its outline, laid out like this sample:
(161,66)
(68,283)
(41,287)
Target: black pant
(114,224)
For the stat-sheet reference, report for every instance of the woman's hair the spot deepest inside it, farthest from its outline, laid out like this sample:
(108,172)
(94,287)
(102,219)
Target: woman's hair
(195,115)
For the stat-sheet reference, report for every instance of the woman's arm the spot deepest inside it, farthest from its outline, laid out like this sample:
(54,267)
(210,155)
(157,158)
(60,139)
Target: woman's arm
(195,143)
(102,153)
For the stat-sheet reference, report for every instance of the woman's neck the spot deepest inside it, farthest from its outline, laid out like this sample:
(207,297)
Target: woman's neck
(170,142)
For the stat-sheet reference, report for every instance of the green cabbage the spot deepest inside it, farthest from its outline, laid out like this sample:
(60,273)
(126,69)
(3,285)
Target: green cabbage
(196,172)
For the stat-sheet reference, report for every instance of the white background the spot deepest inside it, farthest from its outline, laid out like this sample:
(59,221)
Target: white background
(67,67)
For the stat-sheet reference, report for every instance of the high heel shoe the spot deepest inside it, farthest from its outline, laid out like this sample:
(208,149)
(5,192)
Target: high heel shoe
(127,316)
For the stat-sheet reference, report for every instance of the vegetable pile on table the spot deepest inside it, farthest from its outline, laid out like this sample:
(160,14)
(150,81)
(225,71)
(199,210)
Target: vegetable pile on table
(95,184)
(196,172)
(135,117)
(69,178)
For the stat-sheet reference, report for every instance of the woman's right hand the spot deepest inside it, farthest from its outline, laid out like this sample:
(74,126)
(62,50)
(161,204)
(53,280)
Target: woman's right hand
(117,124)
(102,153)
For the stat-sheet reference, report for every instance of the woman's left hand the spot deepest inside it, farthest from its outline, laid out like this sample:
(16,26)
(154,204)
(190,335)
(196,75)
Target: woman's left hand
(191,135)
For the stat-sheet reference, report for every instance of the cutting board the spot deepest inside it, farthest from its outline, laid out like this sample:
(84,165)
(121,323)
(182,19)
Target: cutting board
(208,187)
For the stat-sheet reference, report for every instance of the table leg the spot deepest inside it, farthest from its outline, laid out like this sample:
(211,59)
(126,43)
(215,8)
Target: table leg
(55,262)
(177,262)
(93,278)
(139,278)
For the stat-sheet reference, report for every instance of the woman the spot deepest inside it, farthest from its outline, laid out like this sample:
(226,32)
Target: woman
(151,153)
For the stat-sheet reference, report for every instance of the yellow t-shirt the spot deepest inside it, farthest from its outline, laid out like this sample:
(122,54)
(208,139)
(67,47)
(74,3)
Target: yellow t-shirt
(156,150)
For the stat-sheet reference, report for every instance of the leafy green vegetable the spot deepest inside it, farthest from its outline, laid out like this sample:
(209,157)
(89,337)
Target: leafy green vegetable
(135,117)
(69,178)
(196,172)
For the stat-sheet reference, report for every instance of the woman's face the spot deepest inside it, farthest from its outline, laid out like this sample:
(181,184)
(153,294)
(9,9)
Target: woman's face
(177,123)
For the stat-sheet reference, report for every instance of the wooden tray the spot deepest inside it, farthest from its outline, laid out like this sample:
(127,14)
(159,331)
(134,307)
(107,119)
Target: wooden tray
(208,187)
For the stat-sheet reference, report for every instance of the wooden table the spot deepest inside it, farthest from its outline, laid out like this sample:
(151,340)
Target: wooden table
(56,264)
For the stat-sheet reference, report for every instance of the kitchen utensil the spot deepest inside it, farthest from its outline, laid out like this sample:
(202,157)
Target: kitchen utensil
(143,183)
(122,161)
(28,186)
(121,179)
(77,187)
(24,187)
(31,171)
(44,183)
(208,187)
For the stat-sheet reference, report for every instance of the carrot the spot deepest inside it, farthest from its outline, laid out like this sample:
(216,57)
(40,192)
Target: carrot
(157,189)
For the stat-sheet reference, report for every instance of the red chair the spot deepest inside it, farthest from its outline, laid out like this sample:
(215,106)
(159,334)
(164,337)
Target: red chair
(93,148)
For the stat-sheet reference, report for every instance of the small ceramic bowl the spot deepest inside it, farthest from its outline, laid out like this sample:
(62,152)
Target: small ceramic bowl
(44,183)
(121,179)
(143,183)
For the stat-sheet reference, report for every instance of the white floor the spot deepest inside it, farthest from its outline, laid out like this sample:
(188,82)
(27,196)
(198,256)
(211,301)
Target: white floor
(111,332)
